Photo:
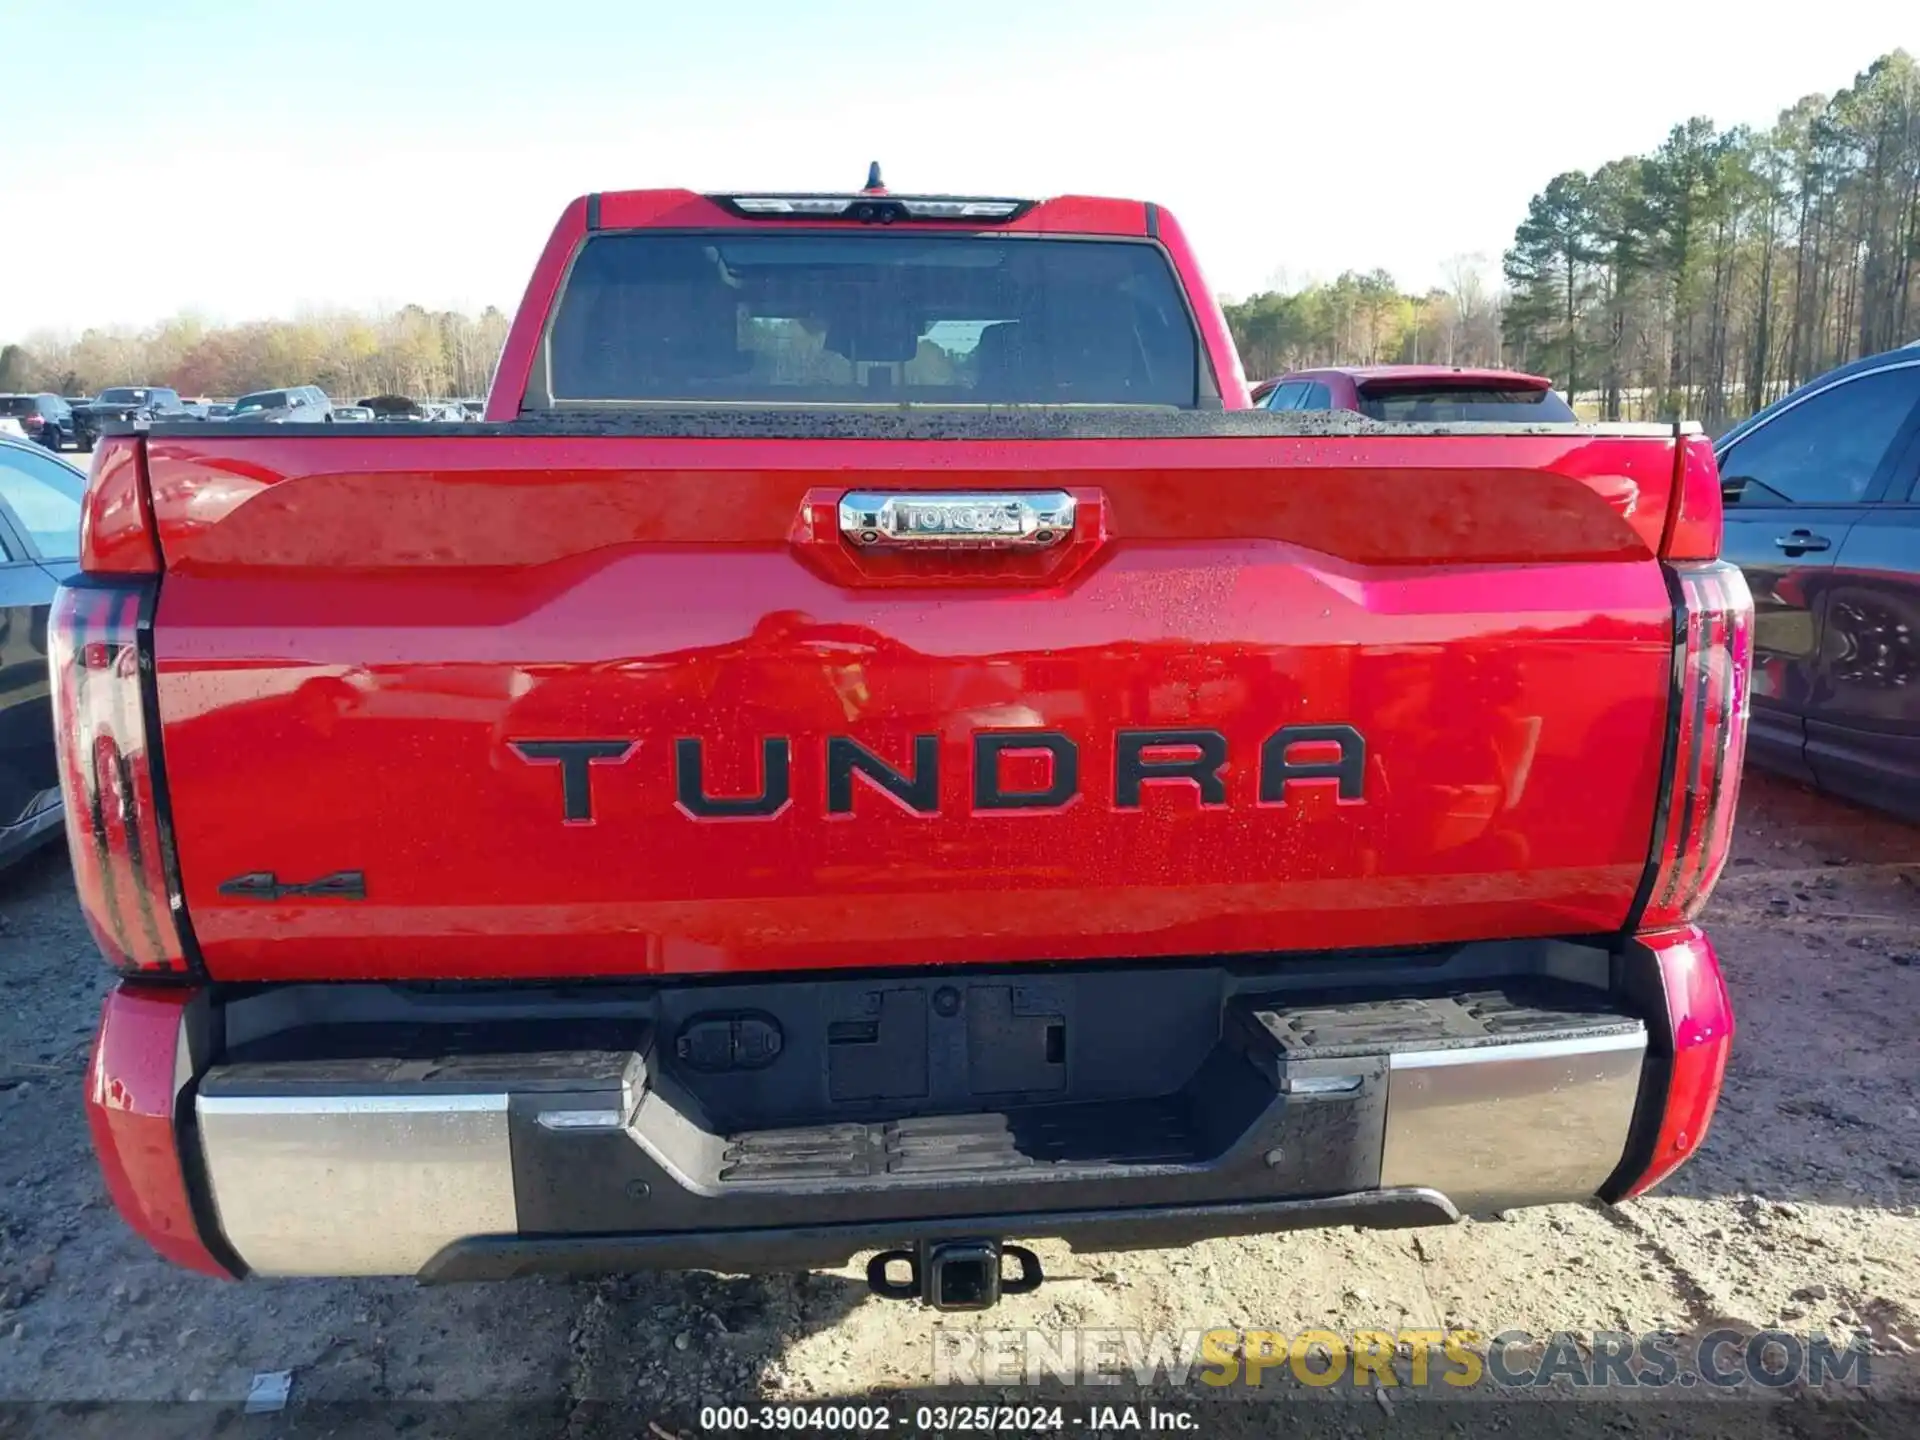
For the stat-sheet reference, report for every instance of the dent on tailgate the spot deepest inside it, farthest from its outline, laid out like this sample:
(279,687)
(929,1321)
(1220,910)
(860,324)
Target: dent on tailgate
(359,639)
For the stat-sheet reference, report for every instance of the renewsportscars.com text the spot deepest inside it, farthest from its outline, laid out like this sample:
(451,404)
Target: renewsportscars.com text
(1723,1359)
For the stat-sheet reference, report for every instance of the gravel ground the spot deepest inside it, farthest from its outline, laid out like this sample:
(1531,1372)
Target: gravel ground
(1799,1213)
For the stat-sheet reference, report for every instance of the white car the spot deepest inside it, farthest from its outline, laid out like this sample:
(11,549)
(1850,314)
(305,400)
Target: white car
(11,426)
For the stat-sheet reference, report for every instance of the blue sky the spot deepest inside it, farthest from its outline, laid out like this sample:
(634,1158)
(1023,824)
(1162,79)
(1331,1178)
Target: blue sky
(250,159)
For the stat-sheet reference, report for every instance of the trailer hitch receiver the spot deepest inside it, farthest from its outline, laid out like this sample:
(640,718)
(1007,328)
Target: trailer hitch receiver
(955,1274)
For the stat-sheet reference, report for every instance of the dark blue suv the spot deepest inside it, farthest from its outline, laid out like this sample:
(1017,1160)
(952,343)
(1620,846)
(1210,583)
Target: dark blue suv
(1823,514)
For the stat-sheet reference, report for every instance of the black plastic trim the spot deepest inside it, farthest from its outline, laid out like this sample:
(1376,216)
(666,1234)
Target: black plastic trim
(1669,753)
(1436,964)
(205,1025)
(502,1257)
(162,796)
(1153,221)
(593,211)
(1639,983)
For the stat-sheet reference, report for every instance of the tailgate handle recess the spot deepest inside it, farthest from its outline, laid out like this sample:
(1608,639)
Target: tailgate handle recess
(980,520)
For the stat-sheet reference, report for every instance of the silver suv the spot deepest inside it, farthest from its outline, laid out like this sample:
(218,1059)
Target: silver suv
(298,404)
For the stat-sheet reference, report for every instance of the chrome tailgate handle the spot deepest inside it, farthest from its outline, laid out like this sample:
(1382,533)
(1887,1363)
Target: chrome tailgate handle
(979,520)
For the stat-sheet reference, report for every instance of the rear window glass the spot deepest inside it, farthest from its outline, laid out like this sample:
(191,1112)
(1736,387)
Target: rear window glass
(872,319)
(1452,404)
(265,400)
(18,405)
(125,396)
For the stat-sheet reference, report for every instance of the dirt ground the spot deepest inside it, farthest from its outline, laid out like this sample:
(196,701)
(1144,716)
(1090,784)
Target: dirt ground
(1799,1213)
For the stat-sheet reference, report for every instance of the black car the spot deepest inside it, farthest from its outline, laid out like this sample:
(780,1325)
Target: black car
(120,404)
(1823,515)
(46,418)
(388,408)
(39,543)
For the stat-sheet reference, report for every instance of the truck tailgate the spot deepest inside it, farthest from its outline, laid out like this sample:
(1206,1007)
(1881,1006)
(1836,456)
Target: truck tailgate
(1275,693)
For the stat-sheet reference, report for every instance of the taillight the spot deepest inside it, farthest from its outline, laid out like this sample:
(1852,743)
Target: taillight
(1713,664)
(109,775)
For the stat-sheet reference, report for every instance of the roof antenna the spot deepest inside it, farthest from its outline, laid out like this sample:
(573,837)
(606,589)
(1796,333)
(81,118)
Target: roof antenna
(873,176)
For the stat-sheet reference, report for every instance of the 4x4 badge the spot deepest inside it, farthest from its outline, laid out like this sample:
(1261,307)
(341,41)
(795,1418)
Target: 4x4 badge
(265,885)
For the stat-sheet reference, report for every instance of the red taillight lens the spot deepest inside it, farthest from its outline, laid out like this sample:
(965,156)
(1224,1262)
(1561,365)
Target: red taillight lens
(1699,1025)
(1713,666)
(108,776)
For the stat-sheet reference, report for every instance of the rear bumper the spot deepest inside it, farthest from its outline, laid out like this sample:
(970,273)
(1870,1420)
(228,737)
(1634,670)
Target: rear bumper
(474,1136)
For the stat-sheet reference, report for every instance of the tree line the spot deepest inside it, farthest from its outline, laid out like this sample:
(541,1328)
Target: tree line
(1703,280)
(1729,266)
(1366,319)
(411,351)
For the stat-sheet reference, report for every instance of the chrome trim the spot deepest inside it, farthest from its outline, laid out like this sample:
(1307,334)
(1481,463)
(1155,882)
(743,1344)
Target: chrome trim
(355,1184)
(990,520)
(579,1120)
(1323,1084)
(1498,1126)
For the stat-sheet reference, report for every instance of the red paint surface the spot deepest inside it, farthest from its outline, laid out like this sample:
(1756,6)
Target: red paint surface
(1700,1014)
(116,530)
(1698,517)
(352,630)
(130,1105)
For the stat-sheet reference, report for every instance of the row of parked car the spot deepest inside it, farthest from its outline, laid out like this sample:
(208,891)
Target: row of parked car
(62,422)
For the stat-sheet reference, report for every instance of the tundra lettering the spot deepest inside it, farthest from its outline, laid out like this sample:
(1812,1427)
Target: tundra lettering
(1140,758)
(693,798)
(990,794)
(575,759)
(919,792)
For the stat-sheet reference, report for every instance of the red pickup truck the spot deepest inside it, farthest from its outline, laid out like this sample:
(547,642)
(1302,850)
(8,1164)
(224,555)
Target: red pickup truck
(874,746)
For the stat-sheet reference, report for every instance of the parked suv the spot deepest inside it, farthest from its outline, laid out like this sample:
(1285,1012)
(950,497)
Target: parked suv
(46,418)
(120,404)
(299,404)
(1822,496)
